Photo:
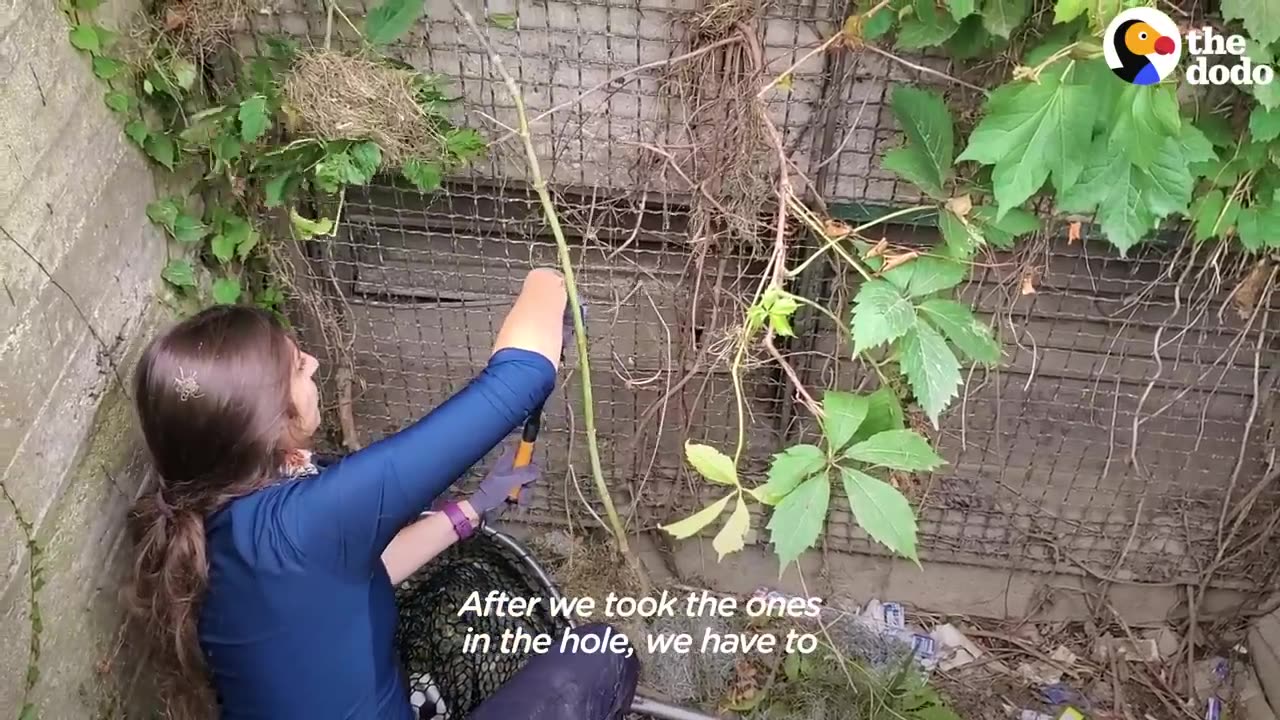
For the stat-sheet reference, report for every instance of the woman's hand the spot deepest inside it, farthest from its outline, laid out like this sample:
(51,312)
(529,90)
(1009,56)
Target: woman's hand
(503,478)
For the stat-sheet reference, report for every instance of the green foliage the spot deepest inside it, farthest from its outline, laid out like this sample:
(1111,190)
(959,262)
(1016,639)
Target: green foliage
(391,19)
(863,434)
(235,139)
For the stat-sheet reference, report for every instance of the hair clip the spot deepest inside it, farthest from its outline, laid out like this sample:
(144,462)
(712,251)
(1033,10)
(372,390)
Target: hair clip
(186,386)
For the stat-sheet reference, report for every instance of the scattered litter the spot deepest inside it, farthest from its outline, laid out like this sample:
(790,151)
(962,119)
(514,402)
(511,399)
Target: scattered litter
(1143,650)
(1031,715)
(1071,714)
(1166,640)
(1210,676)
(955,650)
(1060,694)
(880,635)
(1040,672)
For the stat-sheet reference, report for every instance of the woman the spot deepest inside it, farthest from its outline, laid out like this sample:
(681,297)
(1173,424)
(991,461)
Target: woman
(272,579)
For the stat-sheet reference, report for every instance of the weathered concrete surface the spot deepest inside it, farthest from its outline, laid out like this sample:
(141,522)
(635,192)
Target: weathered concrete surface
(79,269)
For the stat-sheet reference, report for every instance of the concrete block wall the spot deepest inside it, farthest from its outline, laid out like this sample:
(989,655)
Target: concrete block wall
(79,271)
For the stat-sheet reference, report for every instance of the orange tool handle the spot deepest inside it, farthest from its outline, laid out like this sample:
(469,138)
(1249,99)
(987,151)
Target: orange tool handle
(524,453)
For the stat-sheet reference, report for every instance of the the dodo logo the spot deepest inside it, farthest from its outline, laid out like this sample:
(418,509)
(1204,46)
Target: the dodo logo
(1142,46)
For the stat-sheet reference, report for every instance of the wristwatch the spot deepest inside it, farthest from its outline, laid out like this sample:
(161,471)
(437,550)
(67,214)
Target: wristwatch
(461,523)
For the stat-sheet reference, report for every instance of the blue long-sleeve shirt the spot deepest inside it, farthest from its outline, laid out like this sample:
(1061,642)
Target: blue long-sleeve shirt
(299,619)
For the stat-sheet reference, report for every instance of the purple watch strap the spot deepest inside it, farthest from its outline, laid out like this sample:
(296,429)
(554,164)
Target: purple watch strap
(461,523)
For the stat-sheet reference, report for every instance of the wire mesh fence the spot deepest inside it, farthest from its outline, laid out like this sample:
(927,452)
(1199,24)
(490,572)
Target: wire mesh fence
(1118,439)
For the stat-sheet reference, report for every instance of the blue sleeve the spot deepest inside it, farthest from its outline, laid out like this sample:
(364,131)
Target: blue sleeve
(350,512)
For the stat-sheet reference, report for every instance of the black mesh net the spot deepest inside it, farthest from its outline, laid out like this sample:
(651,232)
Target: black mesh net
(433,629)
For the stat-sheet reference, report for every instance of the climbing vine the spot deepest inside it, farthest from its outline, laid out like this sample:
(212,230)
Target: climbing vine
(1060,137)
(279,135)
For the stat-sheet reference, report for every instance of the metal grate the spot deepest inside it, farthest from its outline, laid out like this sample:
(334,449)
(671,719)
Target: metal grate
(1044,472)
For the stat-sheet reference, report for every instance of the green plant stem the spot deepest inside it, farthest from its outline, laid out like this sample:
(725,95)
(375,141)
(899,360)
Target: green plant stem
(834,243)
(566,265)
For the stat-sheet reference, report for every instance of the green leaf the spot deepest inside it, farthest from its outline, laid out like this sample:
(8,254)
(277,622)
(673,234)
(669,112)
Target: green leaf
(931,369)
(464,143)
(106,68)
(711,463)
(227,150)
(733,536)
(1257,224)
(970,40)
(308,228)
(118,101)
(1065,11)
(29,712)
(904,450)
(932,274)
(882,511)
(86,38)
(1261,17)
(880,314)
(273,191)
(1003,231)
(341,168)
(789,468)
(871,27)
(693,524)
(188,229)
(1268,94)
(1145,117)
(960,9)
(926,122)
(914,167)
(958,323)
(253,118)
(1001,17)
(1264,124)
(238,236)
(1209,213)
(179,273)
(426,176)
(391,19)
(884,412)
(184,72)
(1195,145)
(843,412)
(1130,200)
(798,519)
(164,212)
(366,157)
(506,21)
(226,291)
(916,34)
(1030,131)
(962,238)
(137,131)
(161,149)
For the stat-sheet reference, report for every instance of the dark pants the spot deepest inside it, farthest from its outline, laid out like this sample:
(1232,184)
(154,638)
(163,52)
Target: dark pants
(567,686)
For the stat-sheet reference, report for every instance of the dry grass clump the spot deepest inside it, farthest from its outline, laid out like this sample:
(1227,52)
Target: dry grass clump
(336,96)
(199,27)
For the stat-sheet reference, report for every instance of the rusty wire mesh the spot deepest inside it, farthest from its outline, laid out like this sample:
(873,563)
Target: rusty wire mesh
(1116,440)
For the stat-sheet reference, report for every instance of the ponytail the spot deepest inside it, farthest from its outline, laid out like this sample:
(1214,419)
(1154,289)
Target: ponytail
(170,574)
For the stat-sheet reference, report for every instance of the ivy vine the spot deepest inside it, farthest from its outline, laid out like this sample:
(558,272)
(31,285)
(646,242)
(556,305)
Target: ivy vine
(1061,138)
(254,153)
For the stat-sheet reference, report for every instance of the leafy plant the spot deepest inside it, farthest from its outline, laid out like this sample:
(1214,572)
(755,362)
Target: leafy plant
(864,437)
(235,138)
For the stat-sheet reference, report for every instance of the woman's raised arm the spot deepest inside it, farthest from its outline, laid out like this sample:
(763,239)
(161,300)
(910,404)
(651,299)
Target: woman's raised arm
(353,509)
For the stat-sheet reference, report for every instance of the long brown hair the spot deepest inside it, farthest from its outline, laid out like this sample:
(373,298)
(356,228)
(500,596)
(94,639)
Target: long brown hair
(214,402)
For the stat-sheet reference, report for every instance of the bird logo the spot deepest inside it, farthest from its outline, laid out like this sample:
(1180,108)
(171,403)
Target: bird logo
(1142,46)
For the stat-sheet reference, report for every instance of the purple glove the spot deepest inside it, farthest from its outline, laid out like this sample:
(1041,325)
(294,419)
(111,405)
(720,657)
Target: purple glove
(501,480)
